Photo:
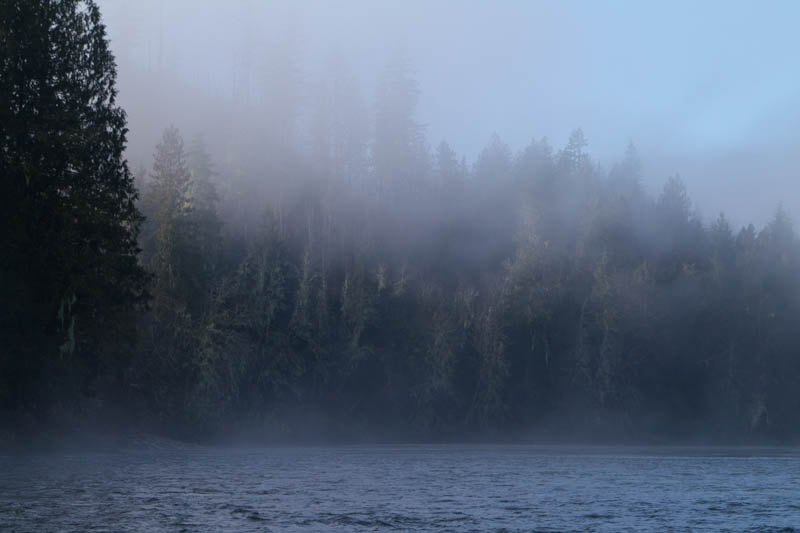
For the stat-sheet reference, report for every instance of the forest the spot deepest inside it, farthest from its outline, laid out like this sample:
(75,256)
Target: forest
(338,276)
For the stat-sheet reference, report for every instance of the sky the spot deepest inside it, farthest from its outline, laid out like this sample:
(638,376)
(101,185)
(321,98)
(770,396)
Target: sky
(709,90)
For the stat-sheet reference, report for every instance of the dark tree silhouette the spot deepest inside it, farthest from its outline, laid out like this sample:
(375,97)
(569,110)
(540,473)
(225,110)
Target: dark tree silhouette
(69,271)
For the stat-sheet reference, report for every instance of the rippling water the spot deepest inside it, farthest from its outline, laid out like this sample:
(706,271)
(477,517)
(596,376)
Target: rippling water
(404,488)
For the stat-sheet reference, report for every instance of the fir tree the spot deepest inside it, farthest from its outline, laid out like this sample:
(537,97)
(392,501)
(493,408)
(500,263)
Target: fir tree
(69,221)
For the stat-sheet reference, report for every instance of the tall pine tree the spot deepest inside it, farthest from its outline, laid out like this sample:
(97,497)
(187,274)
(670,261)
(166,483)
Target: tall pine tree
(68,221)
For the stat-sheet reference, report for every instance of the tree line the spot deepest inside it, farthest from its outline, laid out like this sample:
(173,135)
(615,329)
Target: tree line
(336,276)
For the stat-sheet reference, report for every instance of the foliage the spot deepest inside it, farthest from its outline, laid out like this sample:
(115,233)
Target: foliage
(69,277)
(360,282)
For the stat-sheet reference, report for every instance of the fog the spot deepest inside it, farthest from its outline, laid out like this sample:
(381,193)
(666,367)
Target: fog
(704,90)
(402,220)
(421,265)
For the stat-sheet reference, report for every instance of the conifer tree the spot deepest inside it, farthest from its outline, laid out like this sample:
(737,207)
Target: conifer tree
(69,273)
(169,208)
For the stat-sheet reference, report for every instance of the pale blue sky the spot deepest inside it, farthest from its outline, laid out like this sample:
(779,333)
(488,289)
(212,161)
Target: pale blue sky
(709,89)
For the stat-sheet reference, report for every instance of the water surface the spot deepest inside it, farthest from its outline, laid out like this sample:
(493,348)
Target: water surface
(404,488)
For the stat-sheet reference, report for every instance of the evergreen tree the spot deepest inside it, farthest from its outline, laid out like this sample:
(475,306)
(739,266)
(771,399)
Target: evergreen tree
(69,272)
(176,259)
(626,176)
(203,198)
(448,170)
(573,157)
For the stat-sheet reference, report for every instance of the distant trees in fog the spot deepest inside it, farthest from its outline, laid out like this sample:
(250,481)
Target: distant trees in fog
(346,273)
(533,291)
